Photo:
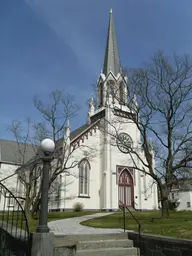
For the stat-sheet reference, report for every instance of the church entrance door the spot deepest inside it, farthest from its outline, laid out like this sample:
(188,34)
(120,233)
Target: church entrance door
(126,188)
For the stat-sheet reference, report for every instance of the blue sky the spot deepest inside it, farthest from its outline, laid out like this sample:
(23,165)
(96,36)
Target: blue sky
(59,44)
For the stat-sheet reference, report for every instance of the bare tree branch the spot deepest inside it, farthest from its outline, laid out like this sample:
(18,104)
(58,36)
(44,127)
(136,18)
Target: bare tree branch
(163,112)
(54,116)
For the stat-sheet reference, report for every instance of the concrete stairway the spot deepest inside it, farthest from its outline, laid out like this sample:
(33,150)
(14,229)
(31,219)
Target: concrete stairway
(101,245)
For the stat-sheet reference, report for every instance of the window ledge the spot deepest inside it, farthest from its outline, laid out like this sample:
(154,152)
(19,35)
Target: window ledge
(83,196)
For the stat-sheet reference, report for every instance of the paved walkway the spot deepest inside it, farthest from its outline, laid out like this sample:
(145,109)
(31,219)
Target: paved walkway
(72,226)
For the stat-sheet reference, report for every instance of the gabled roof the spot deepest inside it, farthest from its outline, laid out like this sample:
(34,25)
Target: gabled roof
(11,152)
(78,131)
(183,185)
(73,134)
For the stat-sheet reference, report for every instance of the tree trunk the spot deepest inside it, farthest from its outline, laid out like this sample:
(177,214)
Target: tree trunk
(27,210)
(164,194)
(35,208)
(164,207)
(27,207)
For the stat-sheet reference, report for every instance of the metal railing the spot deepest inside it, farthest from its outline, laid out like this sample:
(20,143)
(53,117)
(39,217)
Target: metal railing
(124,207)
(14,230)
(135,204)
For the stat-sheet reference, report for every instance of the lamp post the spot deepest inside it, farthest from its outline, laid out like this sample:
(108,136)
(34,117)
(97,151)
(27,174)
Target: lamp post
(47,146)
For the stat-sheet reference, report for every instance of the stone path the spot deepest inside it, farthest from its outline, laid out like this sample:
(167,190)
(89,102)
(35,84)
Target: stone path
(72,226)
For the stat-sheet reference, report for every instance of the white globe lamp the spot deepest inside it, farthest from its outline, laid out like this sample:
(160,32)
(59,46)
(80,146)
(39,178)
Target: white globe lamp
(48,145)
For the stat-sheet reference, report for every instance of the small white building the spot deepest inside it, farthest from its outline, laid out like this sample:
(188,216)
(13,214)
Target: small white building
(109,176)
(182,195)
(10,160)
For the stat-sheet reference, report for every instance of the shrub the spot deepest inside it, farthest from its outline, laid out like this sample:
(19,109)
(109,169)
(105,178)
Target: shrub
(173,205)
(78,207)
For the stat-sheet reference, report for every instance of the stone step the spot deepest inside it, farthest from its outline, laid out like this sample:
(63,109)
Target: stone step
(64,251)
(108,252)
(112,244)
(123,243)
(91,237)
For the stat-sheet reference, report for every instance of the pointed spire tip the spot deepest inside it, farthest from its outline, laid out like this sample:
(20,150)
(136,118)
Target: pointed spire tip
(111,11)
(68,124)
(92,99)
(111,59)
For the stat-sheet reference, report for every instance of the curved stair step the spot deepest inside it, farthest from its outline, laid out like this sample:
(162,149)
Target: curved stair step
(124,243)
(108,252)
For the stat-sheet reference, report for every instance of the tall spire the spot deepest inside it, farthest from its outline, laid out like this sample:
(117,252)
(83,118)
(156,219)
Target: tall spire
(112,60)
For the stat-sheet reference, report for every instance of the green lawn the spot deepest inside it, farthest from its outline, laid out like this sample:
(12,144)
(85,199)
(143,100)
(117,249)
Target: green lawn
(179,224)
(17,220)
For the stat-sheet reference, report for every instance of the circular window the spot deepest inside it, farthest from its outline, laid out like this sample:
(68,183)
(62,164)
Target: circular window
(124,142)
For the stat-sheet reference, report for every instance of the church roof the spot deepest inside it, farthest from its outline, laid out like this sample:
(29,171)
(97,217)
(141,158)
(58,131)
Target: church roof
(10,152)
(112,59)
(75,134)
(78,131)
(183,185)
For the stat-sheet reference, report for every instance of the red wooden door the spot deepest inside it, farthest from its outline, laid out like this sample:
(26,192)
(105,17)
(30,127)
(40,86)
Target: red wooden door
(126,188)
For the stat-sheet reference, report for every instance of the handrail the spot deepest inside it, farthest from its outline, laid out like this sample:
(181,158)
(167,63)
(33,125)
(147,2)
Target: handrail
(134,203)
(123,208)
(138,223)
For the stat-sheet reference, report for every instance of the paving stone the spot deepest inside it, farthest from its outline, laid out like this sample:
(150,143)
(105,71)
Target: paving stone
(72,226)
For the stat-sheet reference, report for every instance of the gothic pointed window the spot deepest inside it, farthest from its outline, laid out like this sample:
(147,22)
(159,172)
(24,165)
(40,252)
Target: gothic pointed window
(122,93)
(100,94)
(84,172)
(111,89)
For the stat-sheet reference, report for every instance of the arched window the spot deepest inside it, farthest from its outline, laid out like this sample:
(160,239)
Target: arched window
(122,93)
(111,89)
(100,94)
(84,172)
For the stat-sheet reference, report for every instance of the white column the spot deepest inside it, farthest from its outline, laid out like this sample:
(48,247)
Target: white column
(139,190)
(108,176)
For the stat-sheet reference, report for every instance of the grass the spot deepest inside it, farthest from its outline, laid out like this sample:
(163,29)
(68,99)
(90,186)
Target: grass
(52,216)
(179,224)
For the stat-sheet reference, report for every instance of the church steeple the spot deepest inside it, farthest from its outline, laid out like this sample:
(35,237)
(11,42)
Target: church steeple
(112,59)
(111,82)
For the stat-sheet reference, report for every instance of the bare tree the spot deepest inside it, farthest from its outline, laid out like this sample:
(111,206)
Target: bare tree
(55,195)
(54,116)
(159,101)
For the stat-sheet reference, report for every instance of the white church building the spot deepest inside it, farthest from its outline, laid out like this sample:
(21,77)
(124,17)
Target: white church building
(108,177)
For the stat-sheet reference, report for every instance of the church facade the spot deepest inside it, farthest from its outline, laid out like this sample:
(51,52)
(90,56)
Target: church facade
(108,177)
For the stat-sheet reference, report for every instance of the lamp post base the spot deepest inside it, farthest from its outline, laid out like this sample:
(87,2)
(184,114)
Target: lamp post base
(42,244)
(42,229)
